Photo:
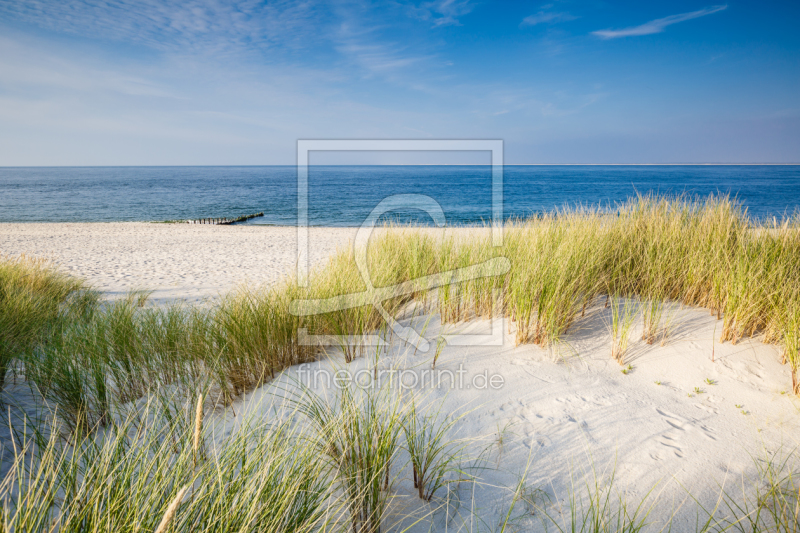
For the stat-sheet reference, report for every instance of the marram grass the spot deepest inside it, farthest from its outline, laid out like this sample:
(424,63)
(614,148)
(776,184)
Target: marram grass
(278,476)
(92,363)
(130,477)
(83,357)
(702,253)
(32,300)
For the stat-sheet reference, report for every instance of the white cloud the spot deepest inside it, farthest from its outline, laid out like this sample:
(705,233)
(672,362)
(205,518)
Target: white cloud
(367,53)
(378,58)
(29,69)
(657,25)
(191,25)
(549,17)
(249,33)
(442,12)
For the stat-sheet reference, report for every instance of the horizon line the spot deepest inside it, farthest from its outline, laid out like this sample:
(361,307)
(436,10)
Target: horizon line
(424,165)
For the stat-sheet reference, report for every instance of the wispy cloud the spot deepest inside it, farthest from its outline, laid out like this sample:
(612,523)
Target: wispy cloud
(378,58)
(25,69)
(191,25)
(547,17)
(657,25)
(367,50)
(249,33)
(443,12)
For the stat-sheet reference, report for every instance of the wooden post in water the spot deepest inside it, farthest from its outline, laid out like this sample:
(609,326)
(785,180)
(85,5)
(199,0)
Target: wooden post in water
(225,221)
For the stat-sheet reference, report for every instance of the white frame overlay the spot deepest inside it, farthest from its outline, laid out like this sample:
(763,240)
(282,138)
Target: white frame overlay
(305,146)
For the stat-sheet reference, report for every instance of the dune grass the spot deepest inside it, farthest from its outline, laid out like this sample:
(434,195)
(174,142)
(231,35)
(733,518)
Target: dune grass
(33,298)
(274,474)
(768,500)
(132,478)
(91,361)
(434,456)
(623,314)
(84,357)
(358,435)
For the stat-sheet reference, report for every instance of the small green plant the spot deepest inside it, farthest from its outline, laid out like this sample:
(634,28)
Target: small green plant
(627,369)
(501,434)
(441,341)
(433,455)
(658,382)
(533,498)
(698,390)
(652,310)
(622,318)
(710,381)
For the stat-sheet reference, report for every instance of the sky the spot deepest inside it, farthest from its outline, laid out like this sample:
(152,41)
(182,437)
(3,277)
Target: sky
(209,82)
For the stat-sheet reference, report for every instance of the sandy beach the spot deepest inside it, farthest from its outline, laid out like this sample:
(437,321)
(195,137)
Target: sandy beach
(175,261)
(688,416)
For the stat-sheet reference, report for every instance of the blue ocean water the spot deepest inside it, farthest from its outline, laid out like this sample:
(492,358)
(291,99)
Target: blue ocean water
(345,195)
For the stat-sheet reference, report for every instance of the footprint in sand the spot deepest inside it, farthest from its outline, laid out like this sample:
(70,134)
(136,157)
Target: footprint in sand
(506,407)
(679,425)
(708,432)
(707,408)
(535,441)
(524,414)
(755,371)
(657,456)
(672,443)
(672,437)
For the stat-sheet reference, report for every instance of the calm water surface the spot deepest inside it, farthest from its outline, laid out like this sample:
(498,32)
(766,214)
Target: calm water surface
(345,195)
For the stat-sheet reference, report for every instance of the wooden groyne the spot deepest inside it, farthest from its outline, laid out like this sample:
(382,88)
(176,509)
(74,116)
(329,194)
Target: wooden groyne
(224,221)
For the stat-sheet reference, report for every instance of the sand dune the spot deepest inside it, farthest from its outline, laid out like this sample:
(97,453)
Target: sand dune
(677,424)
(677,420)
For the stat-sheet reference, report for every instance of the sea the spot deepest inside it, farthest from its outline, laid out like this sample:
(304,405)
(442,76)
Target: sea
(346,195)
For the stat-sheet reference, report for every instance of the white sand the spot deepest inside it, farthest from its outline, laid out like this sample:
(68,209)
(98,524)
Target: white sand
(175,261)
(571,409)
(568,408)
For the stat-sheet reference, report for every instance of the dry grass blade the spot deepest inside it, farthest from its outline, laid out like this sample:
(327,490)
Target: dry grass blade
(169,514)
(198,428)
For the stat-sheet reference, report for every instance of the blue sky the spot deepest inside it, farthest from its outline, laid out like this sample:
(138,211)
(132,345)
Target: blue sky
(196,82)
